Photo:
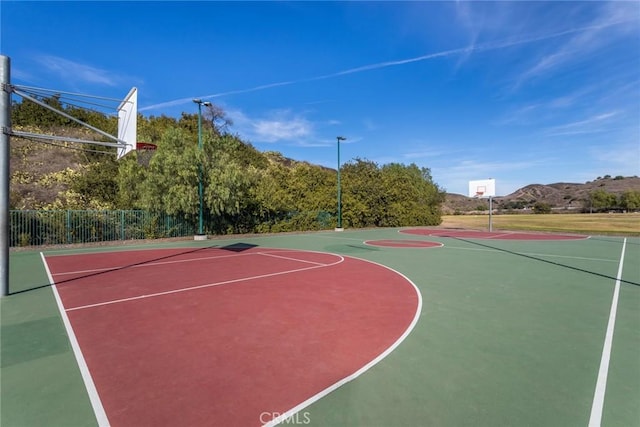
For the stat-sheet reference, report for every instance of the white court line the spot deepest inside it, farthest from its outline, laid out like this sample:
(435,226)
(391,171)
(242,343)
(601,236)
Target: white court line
(601,384)
(532,254)
(291,259)
(285,418)
(496,236)
(151,264)
(96,403)
(208,285)
(568,256)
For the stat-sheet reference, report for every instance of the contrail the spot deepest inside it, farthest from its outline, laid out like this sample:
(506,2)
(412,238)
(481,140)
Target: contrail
(502,44)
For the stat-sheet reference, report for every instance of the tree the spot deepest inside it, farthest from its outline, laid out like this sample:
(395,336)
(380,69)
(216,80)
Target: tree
(131,180)
(228,182)
(363,194)
(390,196)
(171,184)
(630,200)
(600,200)
(272,194)
(98,182)
(541,208)
(217,118)
(151,129)
(28,113)
(412,196)
(295,195)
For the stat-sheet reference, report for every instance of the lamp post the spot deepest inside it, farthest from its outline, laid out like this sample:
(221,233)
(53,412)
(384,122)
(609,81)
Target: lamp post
(200,235)
(339,227)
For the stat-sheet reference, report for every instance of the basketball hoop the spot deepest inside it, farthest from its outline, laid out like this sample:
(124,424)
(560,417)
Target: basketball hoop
(144,153)
(479,194)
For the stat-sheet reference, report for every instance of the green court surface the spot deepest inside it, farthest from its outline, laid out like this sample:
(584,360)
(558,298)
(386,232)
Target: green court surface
(511,334)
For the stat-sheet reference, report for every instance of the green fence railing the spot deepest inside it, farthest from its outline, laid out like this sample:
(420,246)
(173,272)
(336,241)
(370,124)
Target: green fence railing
(60,227)
(56,227)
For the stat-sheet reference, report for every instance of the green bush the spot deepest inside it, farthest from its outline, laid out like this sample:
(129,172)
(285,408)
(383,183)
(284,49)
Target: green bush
(541,208)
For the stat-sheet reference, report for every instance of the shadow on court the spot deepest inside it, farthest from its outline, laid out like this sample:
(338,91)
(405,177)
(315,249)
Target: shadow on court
(237,247)
(546,261)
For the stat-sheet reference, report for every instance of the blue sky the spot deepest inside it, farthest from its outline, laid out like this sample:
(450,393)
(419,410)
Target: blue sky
(523,92)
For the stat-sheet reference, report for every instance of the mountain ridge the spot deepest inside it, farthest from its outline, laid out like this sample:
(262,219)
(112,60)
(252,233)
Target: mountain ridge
(559,195)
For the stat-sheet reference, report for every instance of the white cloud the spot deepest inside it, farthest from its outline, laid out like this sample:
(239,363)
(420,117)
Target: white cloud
(369,124)
(76,71)
(614,20)
(622,159)
(455,177)
(520,116)
(421,154)
(597,123)
(277,126)
(271,130)
(463,52)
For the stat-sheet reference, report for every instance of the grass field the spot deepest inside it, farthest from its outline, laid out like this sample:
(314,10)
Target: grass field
(608,224)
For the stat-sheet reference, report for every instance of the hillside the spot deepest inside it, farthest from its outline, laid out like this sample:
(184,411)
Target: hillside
(560,196)
(40,173)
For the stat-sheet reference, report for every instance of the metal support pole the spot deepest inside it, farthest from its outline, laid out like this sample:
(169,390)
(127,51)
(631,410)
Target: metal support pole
(200,195)
(339,227)
(5,129)
(490,213)
(200,235)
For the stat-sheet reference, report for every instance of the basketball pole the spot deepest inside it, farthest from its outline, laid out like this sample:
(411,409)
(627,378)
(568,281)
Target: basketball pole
(200,235)
(5,129)
(490,213)
(339,227)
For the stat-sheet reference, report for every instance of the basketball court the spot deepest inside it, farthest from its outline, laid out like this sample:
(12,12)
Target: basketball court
(402,327)
(182,337)
(326,329)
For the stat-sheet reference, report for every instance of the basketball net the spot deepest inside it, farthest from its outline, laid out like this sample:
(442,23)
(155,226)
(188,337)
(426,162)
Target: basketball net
(144,153)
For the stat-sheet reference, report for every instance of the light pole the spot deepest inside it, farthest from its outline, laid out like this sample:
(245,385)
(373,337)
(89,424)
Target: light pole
(339,227)
(200,235)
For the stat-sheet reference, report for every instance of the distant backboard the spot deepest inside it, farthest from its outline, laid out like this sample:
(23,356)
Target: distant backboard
(482,188)
(128,122)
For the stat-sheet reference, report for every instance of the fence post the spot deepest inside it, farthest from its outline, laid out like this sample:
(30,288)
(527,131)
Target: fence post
(68,226)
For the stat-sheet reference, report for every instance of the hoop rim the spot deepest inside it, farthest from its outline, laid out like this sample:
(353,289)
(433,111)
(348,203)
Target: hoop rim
(145,146)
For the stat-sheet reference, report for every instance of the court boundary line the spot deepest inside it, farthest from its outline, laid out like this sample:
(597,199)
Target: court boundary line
(601,384)
(282,418)
(534,254)
(148,264)
(92,391)
(497,236)
(295,259)
(210,285)
(437,233)
(402,245)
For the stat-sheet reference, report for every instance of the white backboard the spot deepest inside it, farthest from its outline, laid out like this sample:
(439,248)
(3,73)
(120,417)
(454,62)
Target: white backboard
(482,188)
(128,122)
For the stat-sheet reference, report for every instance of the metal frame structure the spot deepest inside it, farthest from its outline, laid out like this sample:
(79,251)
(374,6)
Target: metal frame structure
(6,89)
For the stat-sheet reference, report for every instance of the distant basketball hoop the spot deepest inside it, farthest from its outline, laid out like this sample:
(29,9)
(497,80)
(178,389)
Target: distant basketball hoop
(484,189)
(144,152)
(480,190)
